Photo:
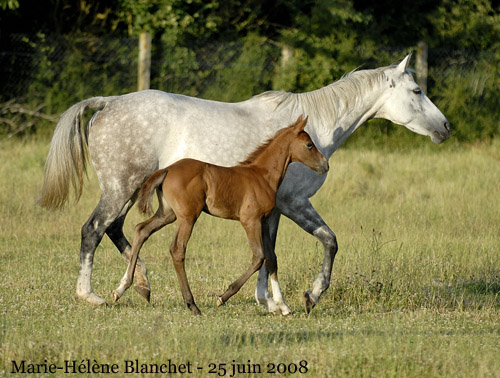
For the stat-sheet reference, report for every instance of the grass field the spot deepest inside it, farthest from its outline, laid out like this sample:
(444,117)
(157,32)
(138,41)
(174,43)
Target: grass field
(414,293)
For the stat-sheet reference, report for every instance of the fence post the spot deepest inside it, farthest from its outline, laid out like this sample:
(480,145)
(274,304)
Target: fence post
(286,55)
(144,66)
(422,70)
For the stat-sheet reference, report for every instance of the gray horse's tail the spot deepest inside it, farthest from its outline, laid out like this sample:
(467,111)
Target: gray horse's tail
(68,155)
(146,193)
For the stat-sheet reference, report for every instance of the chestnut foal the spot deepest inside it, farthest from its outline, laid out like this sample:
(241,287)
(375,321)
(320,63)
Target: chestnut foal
(246,192)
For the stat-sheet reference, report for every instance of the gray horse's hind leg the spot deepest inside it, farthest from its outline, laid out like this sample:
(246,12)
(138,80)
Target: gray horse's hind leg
(92,232)
(103,216)
(276,303)
(262,295)
(303,213)
(115,233)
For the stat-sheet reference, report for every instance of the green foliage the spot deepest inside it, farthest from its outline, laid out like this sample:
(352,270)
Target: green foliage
(471,100)
(176,69)
(467,24)
(66,71)
(9,4)
(194,22)
(211,71)
(234,49)
(171,17)
(324,45)
(248,73)
(465,84)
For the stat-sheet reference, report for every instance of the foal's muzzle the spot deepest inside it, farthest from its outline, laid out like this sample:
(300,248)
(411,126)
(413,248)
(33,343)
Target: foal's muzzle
(324,167)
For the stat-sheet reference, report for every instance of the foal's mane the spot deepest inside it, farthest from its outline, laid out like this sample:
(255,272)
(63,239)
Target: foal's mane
(259,150)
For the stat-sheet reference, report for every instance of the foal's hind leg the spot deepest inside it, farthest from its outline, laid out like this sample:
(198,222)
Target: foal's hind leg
(115,233)
(254,234)
(143,231)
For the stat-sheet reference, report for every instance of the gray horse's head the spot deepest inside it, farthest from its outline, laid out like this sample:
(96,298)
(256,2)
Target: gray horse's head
(405,103)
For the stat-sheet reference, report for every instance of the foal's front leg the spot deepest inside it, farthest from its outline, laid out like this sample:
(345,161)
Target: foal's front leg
(253,229)
(178,252)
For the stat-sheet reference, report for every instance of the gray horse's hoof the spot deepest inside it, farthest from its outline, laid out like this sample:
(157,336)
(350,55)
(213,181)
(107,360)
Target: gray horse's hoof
(308,302)
(93,299)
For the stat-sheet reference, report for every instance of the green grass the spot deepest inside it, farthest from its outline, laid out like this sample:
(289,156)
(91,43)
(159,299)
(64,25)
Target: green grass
(414,292)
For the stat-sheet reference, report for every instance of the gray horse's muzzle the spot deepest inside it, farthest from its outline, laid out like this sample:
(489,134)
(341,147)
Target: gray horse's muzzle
(441,135)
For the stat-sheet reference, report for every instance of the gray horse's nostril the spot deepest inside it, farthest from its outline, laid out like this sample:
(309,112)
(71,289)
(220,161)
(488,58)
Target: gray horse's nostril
(447,126)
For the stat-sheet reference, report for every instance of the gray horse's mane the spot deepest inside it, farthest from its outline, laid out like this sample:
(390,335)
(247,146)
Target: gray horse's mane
(328,103)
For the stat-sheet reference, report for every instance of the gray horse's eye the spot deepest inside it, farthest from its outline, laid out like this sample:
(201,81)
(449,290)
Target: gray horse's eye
(417,91)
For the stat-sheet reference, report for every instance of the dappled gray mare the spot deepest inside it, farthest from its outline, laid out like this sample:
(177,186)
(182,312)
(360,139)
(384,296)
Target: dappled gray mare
(130,136)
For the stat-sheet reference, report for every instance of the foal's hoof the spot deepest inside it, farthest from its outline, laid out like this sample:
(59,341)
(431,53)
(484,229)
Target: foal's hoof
(144,292)
(220,302)
(308,302)
(195,310)
(116,296)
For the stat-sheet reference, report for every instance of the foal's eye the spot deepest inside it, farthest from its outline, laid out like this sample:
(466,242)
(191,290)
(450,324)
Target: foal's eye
(309,145)
(417,91)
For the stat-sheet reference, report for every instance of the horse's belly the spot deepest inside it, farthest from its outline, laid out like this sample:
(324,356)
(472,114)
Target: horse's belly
(220,211)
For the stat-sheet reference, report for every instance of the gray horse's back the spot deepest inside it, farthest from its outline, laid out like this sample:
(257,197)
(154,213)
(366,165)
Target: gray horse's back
(167,127)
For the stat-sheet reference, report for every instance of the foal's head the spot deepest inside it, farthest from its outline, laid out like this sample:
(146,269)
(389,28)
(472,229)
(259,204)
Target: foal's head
(303,150)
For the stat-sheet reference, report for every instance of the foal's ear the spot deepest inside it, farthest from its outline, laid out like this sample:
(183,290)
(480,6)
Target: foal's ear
(300,124)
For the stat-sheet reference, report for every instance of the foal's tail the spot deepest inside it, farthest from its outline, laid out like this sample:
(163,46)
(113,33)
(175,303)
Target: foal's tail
(67,158)
(148,188)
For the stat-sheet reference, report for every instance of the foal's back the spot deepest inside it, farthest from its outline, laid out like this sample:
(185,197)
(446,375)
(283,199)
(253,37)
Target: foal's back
(226,192)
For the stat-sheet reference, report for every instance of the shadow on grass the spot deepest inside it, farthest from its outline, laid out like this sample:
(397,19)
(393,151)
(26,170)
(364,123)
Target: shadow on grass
(303,337)
(471,294)
(480,288)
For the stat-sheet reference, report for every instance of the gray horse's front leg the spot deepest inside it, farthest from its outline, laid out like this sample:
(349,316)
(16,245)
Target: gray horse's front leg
(303,213)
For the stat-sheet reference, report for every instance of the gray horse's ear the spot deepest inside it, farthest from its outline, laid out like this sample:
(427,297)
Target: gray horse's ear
(401,68)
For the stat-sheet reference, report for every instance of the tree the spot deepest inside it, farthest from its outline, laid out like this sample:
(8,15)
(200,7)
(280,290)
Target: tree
(9,4)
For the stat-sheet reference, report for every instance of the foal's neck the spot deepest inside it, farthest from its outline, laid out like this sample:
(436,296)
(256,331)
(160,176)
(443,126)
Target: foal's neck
(273,162)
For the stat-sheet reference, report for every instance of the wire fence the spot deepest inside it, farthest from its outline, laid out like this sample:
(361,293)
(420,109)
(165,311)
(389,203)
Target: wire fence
(57,71)
(30,62)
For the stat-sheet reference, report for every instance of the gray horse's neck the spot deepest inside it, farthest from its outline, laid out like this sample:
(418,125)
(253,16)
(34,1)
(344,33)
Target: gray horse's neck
(334,111)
